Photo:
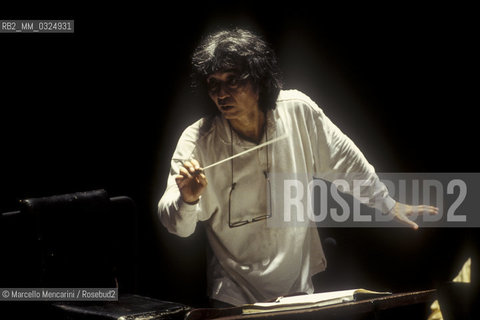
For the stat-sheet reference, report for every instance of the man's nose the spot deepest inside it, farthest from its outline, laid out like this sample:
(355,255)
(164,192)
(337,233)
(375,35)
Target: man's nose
(222,100)
(222,91)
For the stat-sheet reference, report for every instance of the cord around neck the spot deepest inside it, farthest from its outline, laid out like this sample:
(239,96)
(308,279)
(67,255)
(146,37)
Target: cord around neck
(265,132)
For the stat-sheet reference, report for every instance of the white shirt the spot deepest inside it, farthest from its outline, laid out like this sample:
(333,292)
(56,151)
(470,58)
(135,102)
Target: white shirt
(256,262)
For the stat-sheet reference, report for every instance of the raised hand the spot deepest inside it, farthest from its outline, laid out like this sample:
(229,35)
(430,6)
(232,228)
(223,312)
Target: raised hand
(191,181)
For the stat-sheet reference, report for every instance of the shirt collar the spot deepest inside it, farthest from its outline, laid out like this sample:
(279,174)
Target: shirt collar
(225,132)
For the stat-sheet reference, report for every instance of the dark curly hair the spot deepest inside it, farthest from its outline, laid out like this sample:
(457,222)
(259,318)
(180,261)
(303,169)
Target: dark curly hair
(242,51)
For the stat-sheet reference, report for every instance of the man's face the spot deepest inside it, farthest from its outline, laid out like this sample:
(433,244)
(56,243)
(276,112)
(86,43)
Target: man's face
(234,97)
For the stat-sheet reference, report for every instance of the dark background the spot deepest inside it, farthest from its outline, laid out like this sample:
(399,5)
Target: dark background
(103,109)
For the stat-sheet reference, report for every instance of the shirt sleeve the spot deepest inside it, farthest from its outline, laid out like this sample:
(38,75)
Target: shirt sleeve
(339,159)
(178,217)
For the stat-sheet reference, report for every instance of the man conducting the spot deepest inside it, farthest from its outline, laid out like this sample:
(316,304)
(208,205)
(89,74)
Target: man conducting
(250,261)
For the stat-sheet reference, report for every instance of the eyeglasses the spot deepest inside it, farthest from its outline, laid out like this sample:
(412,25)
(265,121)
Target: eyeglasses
(256,219)
(259,218)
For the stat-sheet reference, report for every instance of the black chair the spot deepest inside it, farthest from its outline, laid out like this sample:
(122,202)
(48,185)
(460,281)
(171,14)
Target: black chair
(77,240)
